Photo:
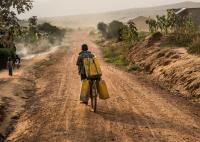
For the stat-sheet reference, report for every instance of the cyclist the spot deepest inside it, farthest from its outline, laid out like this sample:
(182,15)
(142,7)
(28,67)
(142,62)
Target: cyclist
(82,55)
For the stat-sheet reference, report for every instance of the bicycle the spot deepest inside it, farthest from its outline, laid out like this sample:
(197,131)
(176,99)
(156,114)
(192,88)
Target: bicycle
(93,94)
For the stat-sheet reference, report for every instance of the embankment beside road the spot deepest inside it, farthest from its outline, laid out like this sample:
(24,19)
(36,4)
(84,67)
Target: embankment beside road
(171,68)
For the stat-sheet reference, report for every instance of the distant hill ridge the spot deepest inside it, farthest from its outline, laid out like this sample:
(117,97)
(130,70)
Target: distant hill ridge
(122,15)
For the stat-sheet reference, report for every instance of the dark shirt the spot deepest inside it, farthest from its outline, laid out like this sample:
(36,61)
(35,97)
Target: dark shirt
(81,57)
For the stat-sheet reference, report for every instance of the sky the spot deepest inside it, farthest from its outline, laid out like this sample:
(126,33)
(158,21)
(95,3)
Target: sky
(50,8)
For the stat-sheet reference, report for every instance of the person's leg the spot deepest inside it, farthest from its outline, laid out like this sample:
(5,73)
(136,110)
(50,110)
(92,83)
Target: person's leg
(10,72)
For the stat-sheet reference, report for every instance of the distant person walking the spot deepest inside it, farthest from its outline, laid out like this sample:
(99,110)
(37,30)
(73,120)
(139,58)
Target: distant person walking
(10,66)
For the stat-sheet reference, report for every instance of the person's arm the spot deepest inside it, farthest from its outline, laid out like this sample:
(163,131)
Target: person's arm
(78,63)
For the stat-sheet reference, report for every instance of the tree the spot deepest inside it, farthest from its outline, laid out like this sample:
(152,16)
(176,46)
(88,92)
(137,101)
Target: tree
(8,11)
(52,32)
(129,32)
(33,25)
(153,27)
(33,21)
(163,23)
(114,29)
(103,28)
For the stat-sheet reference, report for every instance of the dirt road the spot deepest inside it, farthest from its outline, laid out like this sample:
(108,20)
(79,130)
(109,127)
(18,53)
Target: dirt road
(136,112)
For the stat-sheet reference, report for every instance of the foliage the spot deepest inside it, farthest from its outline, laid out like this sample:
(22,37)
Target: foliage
(179,30)
(34,33)
(152,25)
(114,29)
(33,21)
(164,23)
(103,28)
(4,54)
(172,22)
(114,54)
(8,11)
(129,33)
(33,25)
(52,32)
(195,46)
(9,25)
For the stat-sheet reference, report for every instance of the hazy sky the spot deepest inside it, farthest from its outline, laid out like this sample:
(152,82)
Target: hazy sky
(48,8)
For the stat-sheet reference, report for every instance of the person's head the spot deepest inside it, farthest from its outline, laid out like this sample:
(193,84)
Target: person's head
(84,47)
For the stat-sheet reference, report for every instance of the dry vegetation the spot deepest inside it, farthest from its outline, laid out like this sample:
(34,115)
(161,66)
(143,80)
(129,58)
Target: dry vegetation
(156,53)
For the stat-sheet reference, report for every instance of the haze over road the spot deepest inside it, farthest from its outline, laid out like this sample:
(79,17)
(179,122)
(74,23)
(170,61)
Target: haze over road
(136,112)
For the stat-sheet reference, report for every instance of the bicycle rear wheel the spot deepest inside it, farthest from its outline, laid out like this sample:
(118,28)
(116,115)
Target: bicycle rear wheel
(94,97)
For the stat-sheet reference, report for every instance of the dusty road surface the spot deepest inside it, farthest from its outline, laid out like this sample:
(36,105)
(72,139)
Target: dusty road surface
(136,112)
(15,91)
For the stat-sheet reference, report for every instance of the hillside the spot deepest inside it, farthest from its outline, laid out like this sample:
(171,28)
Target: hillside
(122,15)
(140,23)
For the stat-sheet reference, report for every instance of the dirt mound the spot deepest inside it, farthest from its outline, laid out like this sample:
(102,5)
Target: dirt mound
(154,39)
(172,68)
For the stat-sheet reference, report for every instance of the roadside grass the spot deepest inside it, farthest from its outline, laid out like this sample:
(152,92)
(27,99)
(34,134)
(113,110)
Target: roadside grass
(191,43)
(194,48)
(117,53)
(114,54)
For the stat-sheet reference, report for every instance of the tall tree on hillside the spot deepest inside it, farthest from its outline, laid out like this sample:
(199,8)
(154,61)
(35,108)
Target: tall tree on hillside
(33,24)
(129,32)
(153,27)
(33,21)
(164,23)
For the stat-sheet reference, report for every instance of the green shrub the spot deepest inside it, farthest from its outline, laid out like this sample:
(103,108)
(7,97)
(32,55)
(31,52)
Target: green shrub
(114,29)
(103,28)
(195,46)
(178,40)
(114,54)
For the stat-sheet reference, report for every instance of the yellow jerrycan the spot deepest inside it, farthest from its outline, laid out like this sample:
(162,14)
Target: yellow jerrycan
(85,91)
(92,68)
(102,90)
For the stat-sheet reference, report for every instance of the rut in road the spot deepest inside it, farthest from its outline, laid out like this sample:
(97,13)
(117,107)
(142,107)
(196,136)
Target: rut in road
(136,112)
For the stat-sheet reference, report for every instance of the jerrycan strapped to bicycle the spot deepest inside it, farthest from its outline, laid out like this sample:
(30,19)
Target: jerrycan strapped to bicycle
(93,72)
(102,90)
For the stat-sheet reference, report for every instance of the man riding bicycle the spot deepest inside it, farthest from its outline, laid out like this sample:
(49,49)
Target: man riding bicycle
(82,55)
(91,76)
(85,54)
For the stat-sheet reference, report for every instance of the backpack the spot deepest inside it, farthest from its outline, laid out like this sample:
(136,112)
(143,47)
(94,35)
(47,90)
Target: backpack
(92,68)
